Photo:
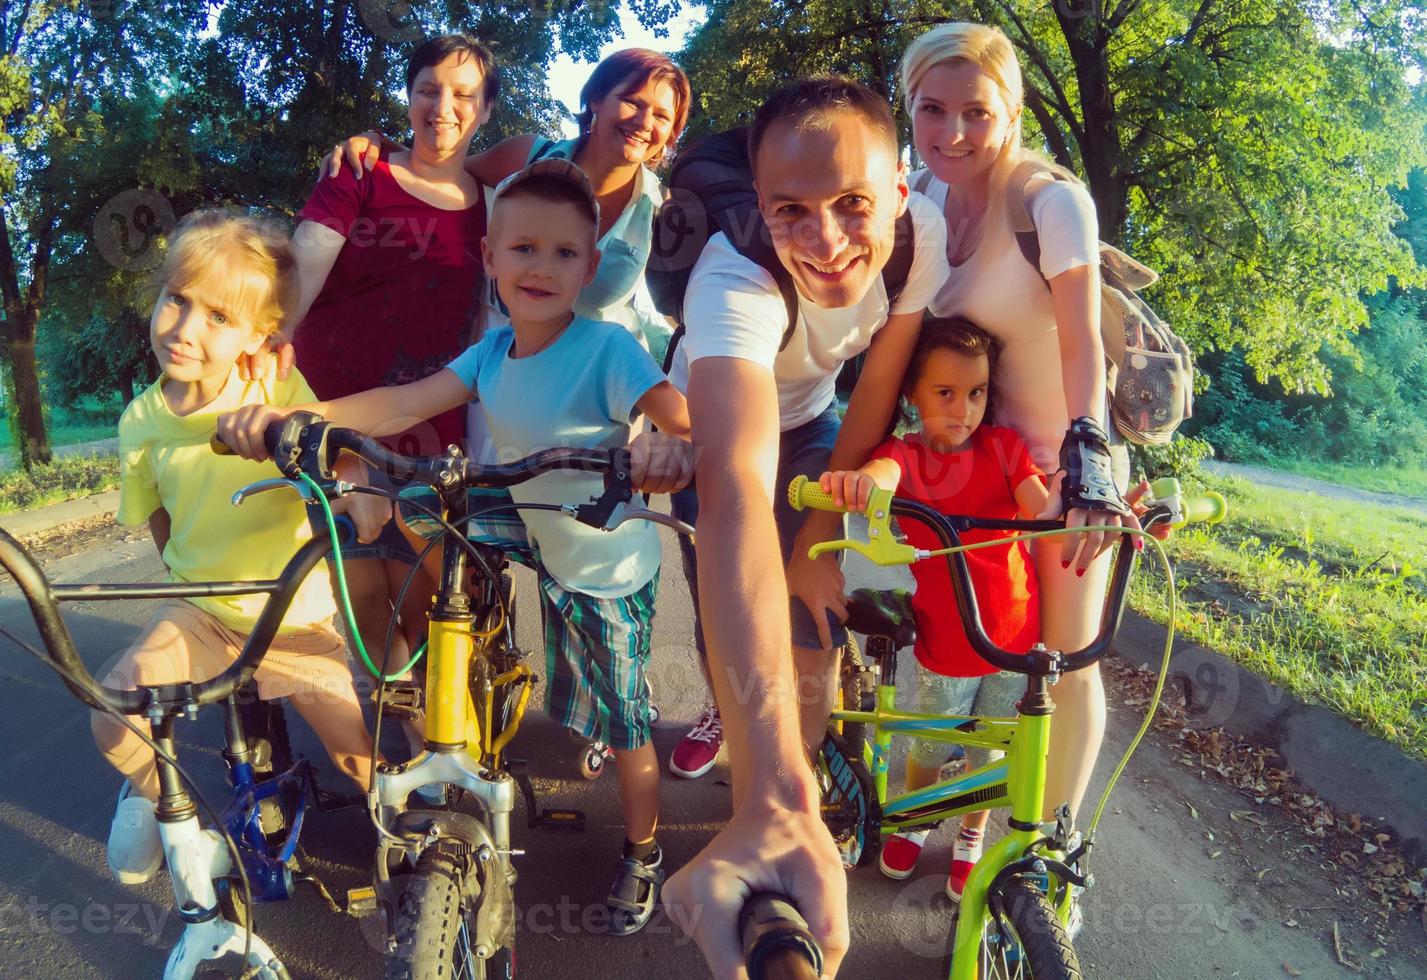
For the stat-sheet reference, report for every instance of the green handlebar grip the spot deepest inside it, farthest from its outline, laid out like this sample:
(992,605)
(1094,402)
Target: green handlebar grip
(220,447)
(804,493)
(1208,507)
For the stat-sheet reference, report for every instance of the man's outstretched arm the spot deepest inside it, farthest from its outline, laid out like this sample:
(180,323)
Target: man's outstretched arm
(776,840)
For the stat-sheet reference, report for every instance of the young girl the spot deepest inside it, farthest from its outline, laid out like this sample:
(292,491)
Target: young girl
(958,466)
(223,289)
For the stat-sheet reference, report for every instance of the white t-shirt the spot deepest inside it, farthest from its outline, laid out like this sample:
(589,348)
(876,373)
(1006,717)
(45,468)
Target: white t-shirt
(997,289)
(733,308)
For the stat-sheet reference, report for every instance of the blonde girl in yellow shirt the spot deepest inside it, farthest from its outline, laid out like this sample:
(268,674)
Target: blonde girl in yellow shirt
(223,288)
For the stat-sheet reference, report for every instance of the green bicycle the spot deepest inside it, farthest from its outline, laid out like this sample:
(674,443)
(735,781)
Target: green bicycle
(1016,903)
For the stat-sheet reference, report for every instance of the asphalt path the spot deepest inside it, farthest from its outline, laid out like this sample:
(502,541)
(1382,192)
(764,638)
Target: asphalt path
(1182,889)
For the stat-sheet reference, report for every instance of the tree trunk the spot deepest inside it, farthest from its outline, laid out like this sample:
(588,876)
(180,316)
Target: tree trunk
(1088,36)
(27,414)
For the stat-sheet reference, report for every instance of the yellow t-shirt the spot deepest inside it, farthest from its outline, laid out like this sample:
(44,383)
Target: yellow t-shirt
(165,461)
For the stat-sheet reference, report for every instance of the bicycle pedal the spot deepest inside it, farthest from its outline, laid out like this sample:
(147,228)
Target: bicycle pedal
(361,902)
(403,699)
(562,821)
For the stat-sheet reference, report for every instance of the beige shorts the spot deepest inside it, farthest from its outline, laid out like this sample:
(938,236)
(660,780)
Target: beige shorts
(184,643)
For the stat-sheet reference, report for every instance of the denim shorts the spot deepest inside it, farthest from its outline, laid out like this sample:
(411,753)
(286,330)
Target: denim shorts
(988,696)
(801,451)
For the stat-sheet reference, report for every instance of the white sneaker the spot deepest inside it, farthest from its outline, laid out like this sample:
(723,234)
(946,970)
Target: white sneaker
(135,849)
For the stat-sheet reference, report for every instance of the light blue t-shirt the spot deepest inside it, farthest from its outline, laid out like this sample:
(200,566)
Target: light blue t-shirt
(581,391)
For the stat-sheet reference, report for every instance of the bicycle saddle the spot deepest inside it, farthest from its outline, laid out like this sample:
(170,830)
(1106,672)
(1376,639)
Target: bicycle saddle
(875,612)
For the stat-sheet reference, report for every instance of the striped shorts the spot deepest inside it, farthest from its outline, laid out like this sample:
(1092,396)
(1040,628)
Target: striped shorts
(596,650)
(596,658)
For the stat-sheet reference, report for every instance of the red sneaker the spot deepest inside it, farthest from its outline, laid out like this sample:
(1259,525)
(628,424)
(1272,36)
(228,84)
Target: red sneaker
(963,858)
(696,752)
(899,855)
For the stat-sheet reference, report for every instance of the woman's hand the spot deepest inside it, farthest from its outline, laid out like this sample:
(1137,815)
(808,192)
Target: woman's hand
(243,430)
(850,489)
(276,357)
(360,152)
(1134,498)
(369,514)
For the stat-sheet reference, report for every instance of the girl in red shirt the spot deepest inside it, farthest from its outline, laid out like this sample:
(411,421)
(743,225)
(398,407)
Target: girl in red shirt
(958,466)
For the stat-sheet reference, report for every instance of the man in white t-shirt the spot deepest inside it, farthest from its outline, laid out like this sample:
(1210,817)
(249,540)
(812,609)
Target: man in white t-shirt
(825,162)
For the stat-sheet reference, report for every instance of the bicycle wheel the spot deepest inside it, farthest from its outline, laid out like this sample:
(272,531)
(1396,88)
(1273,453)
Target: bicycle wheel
(856,692)
(435,925)
(1030,941)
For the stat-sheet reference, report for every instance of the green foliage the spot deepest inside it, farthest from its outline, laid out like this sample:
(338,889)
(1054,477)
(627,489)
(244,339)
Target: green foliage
(117,117)
(1377,417)
(63,479)
(1244,150)
(1179,458)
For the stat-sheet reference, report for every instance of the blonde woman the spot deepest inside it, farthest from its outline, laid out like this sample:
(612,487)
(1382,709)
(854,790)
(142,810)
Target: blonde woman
(963,90)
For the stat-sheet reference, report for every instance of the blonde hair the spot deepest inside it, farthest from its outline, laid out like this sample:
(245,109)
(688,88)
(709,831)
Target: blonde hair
(991,51)
(252,262)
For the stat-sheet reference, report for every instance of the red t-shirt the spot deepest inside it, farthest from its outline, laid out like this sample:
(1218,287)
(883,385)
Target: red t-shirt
(401,299)
(978,481)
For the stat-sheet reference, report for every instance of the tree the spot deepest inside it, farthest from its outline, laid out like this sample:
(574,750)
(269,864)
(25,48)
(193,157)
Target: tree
(1244,148)
(57,61)
(120,116)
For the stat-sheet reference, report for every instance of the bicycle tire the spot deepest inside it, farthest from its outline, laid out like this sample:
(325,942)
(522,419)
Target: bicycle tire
(1044,950)
(434,924)
(851,695)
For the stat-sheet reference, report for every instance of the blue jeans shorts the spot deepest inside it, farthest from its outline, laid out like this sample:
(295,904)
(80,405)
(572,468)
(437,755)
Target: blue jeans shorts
(988,696)
(804,450)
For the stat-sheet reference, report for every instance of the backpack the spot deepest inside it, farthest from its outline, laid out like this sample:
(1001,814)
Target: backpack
(711,191)
(1150,378)
(1151,372)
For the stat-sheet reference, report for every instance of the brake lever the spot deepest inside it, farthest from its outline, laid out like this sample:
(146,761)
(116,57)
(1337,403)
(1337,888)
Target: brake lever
(340,488)
(624,513)
(601,511)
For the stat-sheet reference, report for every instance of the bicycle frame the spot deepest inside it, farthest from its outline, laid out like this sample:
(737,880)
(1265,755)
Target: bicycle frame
(1017,780)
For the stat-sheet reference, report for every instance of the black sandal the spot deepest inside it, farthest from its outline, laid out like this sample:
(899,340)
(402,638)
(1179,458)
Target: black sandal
(634,896)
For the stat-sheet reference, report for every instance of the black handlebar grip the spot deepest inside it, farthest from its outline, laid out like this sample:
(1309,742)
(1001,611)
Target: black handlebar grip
(777,944)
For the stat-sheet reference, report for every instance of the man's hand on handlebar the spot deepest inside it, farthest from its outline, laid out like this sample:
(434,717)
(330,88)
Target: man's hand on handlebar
(243,430)
(660,463)
(766,846)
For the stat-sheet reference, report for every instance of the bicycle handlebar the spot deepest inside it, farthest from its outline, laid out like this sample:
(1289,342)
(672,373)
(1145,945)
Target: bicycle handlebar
(883,548)
(777,944)
(44,597)
(300,443)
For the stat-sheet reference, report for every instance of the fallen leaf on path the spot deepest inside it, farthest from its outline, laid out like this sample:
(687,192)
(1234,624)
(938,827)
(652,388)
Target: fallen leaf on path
(1291,971)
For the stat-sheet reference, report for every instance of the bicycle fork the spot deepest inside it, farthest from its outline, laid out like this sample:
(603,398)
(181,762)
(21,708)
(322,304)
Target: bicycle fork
(1026,782)
(453,750)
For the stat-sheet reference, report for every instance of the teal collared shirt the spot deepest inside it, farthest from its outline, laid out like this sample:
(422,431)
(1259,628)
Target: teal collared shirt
(624,249)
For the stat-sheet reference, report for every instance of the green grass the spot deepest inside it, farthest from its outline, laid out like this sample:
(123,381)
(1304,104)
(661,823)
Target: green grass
(63,434)
(63,479)
(1407,481)
(1325,598)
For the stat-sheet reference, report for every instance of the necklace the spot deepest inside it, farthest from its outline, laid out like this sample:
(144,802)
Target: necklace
(545,344)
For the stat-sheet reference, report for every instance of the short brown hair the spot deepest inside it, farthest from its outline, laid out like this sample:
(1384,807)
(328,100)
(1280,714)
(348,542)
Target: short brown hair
(544,187)
(436,50)
(818,95)
(633,68)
